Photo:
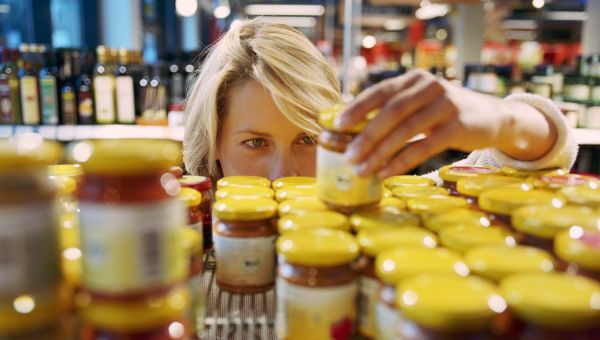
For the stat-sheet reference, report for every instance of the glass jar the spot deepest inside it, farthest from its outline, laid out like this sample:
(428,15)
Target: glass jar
(292,193)
(312,220)
(244,240)
(447,307)
(392,266)
(407,180)
(244,193)
(462,238)
(497,262)
(191,199)
(408,192)
(373,242)
(204,186)
(300,205)
(552,306)
(439,221)
(450,174)
(316,285)
(192,243)
(540,224)
(527,174)
(130,217)
(583,195)
(436,203)
(555,182)
(294,182)
(579,248)
(471,188)
(382,217)
(338,184)
(243,181)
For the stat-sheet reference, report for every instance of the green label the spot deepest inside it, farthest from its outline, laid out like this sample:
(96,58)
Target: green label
(49,100)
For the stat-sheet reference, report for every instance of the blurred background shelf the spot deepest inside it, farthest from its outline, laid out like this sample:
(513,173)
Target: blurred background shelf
(68,133)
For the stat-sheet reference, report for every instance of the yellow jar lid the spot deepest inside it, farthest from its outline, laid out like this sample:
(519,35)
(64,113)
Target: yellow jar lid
(579,246)
(474,186)
(555,301)
(547,221)
(190,197)
(407,180)
(392,202)
(375,241)
(231,209)
(27,151)
(381,217)
(463,216)
(498,262)
(300,205)
(318,247)
(387,193)
(194,180)
(463,238)
(449,303)
(69,170)
(245,193)
(294,182)
(505,200)
(397,264)
(191,241)
(531,173)
(327,119)
(555,182)
(64,185)
(408,192)
(125,157)
(243,181)
(582,195)
(435,203)
(292,193)
(452,173)
(134,315)
(312,220)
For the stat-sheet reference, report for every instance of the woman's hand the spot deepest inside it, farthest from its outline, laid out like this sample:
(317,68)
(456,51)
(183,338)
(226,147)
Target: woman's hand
(449,116)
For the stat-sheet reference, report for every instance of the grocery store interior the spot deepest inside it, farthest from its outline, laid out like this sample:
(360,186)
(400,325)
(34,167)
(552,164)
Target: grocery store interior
(112,228)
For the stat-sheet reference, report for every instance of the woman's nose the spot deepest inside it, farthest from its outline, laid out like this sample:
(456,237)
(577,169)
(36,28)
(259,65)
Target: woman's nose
(282,166)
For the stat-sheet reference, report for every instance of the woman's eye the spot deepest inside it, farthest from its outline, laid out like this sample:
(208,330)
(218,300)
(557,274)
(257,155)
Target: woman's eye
(308,140)
(255,143)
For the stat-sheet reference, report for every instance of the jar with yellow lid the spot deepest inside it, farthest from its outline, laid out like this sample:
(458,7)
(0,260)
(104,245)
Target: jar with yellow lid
(243,181)
(579,248)
(316,285)
(192,243)
(408,192)
(162,317)
(497,262)
(382,217)
(373,242)
(294,182)
(555,182)
(450,174)
(393,266)
(540,224)
(244,193)
(435,203)
(191,199)
(552,306)
(439,221)
(204,186)
(448,307)
(130,217)
(583,195)
(500,203)
(65,170)
(338,184)
(472,187)
(407,180)
(387,193)
(462,238)
(244,241)
(311,220)
(392,202)
(292,193)
(300,205)
(525,174)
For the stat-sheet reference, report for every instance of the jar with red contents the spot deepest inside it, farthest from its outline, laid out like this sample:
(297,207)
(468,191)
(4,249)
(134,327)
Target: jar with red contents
(203,185)
(450,174)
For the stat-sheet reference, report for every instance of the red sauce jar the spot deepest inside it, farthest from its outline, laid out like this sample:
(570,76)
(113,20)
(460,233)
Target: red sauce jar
(204,186)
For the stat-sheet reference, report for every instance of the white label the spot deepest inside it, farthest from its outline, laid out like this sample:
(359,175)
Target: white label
(321,312)
(245,261)
(592,117)
(337,182)
(388,320)
(125,99)
(579,92)
(30,100)
(369,289)
(130,247)
(104,99)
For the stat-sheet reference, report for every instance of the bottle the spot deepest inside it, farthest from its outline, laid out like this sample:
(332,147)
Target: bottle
(104,88)
(10,104)
(68,100)
(124,90)
(83,86)
(29,90)
(49,88)
(576,88)
(593,112)
(137,71)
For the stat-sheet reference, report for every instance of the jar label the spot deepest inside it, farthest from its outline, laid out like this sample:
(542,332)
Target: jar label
(129,248)
(337,182)
(29,251)
(388,320)
(125,99)
(369,288)
(104,99)
(577,92)
(245,261)
(322,312)
(30,100)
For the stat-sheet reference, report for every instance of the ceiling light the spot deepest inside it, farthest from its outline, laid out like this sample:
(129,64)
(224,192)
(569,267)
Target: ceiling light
(538,3)
(300,10)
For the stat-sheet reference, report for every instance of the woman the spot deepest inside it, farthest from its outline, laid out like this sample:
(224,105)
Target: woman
(253,109)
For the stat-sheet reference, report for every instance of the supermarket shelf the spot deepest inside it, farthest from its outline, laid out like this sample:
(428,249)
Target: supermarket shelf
(66,133)
(587,136)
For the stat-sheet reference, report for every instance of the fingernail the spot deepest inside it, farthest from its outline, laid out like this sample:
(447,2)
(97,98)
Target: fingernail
(361,169)
(339,122)
(351,154)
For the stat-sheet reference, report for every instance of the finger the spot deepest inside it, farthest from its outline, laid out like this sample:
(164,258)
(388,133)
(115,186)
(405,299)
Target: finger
(439,112)
(374,97)
(176,171)
(395,111)
(418,152)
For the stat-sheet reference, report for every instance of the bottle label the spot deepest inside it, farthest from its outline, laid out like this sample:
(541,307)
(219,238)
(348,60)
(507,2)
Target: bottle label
(30,100)
(339,184)
(596,94)
(6,107)
(388,320)
(322,312)
(104,99)
(68,108)
(577,92)
(369,288)
(125,99)
(49,100)
(86,107)
(13,83)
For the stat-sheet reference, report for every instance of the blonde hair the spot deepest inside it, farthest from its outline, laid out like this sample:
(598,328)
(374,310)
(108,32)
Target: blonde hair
(281,59)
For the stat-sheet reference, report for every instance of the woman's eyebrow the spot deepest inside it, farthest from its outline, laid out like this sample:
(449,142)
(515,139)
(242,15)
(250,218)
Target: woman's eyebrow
(253,132)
